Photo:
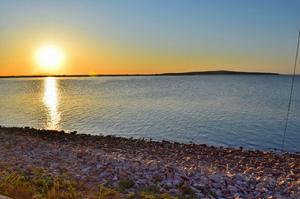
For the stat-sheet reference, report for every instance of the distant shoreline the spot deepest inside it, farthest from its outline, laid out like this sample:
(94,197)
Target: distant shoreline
(219,72)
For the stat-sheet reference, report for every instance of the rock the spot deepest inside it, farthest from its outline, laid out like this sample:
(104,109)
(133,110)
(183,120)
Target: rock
(84,170)
(199,186)
(123,174)
(236,196)
(239,177)
(198,192)
(184,177)
(99,166)
(176,180)
(232,189)
(104,174)
(4,197)
(174,192)
(260,186)
(217,177)
(203,180)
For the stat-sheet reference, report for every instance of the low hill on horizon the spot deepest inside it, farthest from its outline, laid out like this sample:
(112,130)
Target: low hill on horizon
(221,72)
(217,72)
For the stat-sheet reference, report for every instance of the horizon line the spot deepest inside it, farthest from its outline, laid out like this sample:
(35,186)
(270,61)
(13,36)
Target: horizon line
(188,73)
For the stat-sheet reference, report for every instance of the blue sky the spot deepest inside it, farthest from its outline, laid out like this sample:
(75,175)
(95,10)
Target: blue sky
(248,35)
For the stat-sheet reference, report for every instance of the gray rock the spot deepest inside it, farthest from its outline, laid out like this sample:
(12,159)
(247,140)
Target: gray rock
(217,177)
(232,189)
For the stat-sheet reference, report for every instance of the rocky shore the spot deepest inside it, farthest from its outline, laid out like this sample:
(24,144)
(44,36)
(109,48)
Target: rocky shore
(131,165)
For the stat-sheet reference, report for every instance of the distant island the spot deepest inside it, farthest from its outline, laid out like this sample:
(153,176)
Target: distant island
(218,72)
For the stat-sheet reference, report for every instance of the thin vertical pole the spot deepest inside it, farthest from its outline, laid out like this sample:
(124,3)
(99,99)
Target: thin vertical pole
(291,93)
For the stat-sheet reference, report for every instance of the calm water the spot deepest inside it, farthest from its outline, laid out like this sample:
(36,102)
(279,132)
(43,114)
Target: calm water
(227,110)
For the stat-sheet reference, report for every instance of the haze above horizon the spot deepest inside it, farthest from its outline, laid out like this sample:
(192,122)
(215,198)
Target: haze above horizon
(147,37)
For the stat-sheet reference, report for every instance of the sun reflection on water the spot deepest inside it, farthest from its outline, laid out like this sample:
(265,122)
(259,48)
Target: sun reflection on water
(51,103)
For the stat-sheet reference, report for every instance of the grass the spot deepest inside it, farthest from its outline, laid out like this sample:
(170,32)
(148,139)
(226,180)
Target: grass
(125,184)
(37,184)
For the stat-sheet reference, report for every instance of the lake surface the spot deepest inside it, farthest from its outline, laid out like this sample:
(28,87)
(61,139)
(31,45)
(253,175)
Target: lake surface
(227,110)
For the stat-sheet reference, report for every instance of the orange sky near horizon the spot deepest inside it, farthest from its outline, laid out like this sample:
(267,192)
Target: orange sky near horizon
(96,56)
(86,56)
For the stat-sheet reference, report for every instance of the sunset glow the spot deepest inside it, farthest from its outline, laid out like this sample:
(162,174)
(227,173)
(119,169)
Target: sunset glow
(49,57)
(138,37)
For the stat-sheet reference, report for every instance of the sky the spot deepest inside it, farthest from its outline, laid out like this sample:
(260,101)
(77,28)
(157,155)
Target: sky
(149,36)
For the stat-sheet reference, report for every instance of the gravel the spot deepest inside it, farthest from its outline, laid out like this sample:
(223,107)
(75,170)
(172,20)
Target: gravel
(176,168)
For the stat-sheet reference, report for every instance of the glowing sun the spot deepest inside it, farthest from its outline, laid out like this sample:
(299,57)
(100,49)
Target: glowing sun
(49,57)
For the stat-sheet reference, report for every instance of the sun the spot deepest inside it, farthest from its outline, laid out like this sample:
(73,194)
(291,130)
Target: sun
(49,57)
